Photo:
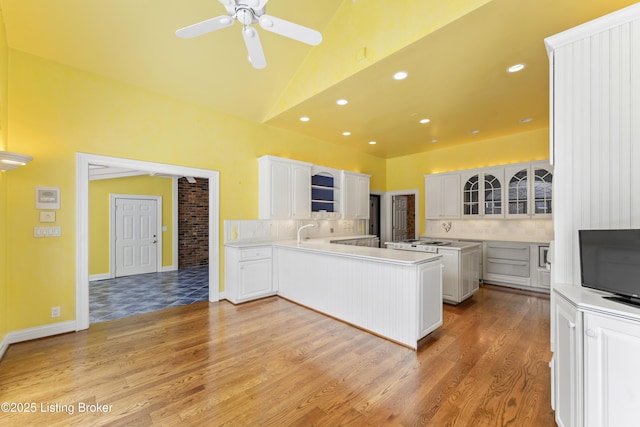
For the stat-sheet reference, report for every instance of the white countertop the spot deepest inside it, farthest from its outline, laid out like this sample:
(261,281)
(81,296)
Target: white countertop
(592,300)
(250,244)
(460,245)
(362,252)
(487,239)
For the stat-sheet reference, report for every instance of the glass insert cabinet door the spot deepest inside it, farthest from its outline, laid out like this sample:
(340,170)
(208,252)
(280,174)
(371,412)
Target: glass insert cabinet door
(542,191)
(492,195)
(471,196)
(518,193)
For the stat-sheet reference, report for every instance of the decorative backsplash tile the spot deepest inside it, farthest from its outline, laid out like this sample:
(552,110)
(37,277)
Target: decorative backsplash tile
(267,230)
(536,230)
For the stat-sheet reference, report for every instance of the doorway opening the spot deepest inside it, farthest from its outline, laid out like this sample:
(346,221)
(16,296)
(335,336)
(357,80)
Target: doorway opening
(84,163)
(399,215)
(375,204)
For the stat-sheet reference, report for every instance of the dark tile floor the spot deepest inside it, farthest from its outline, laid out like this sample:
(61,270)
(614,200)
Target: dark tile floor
(125,296)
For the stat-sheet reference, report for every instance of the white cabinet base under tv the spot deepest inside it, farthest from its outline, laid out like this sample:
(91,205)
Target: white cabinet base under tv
(595,344)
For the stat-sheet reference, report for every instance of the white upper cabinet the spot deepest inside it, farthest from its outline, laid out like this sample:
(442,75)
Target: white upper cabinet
(284,188)
(482,193)
(528,190)
(522,190)
(355,195)
(442,196)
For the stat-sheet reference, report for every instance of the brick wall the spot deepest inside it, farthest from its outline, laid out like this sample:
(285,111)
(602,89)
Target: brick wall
(193,223)
(411,216)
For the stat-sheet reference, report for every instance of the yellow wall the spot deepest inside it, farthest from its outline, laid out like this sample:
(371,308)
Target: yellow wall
(405,173)
(3,191)
(99,215)
(56,111)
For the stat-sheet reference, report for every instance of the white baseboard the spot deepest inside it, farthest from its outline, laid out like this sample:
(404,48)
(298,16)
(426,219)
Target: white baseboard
(102,276)
(35,333)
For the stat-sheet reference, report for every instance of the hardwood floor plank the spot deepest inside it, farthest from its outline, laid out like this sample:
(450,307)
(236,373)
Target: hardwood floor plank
(274,363)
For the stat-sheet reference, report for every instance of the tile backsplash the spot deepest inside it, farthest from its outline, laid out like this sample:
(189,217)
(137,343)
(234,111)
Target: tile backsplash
(260,230)
(526,230)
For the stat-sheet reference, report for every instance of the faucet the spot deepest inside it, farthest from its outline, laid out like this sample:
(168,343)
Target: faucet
(302,228)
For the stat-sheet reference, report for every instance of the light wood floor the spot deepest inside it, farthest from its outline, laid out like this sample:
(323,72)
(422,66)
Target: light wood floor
(271,362)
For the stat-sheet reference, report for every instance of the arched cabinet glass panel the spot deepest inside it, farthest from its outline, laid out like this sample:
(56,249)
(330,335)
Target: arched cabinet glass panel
(492,195)
(542,191)
(518,193)
(471,196)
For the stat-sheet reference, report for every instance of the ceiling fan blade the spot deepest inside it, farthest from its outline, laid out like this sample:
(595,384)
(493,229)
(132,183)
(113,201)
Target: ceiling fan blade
(291,30)
(254,47)
(205,27)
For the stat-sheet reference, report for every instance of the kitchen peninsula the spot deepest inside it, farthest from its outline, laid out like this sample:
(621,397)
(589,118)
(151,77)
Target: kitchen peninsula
(393,294)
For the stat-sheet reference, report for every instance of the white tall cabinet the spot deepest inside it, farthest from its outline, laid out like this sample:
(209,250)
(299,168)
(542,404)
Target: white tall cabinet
(595,151)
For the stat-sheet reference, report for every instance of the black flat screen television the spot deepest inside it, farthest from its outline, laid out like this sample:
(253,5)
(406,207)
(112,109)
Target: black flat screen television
(610,261)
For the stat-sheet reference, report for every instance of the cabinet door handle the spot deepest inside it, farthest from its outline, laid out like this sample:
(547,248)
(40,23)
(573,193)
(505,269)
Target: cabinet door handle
(590,333)
(572,325)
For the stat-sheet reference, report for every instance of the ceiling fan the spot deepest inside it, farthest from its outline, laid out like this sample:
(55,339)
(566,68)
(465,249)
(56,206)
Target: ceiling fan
(249,12)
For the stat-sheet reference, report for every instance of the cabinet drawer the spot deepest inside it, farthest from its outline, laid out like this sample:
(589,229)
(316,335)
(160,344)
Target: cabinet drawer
(508,267)
(505,250)
(255,253)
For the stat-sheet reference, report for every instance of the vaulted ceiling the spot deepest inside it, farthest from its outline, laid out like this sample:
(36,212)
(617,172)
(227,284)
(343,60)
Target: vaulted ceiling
(456,55)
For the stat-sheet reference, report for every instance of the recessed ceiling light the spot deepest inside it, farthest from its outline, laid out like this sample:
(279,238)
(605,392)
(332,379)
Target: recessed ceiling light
(400,75)
(474,132)
(342,102)
(372,143)
(304,119)
(423,121)
(526,120)
(515,68)
(346,133)
(433,141)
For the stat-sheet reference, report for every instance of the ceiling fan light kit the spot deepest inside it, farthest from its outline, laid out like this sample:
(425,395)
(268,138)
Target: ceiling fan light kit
(248,12)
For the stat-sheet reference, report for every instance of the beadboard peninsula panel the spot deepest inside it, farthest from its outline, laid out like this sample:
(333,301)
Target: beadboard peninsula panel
(381,297)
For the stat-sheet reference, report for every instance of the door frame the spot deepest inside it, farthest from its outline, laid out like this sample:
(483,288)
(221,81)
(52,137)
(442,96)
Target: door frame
(387,212)
(112,226)
(83,161)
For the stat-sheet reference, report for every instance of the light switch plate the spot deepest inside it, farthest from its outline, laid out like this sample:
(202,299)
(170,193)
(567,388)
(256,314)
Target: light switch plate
(47,216)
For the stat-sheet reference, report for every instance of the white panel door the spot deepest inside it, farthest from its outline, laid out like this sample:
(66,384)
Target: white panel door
(136,236)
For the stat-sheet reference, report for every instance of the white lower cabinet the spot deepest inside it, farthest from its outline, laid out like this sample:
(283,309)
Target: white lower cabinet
(612,377)
(507,263)
(248,273)
(460,273)
(398,300)
(568,363)
(596,380)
